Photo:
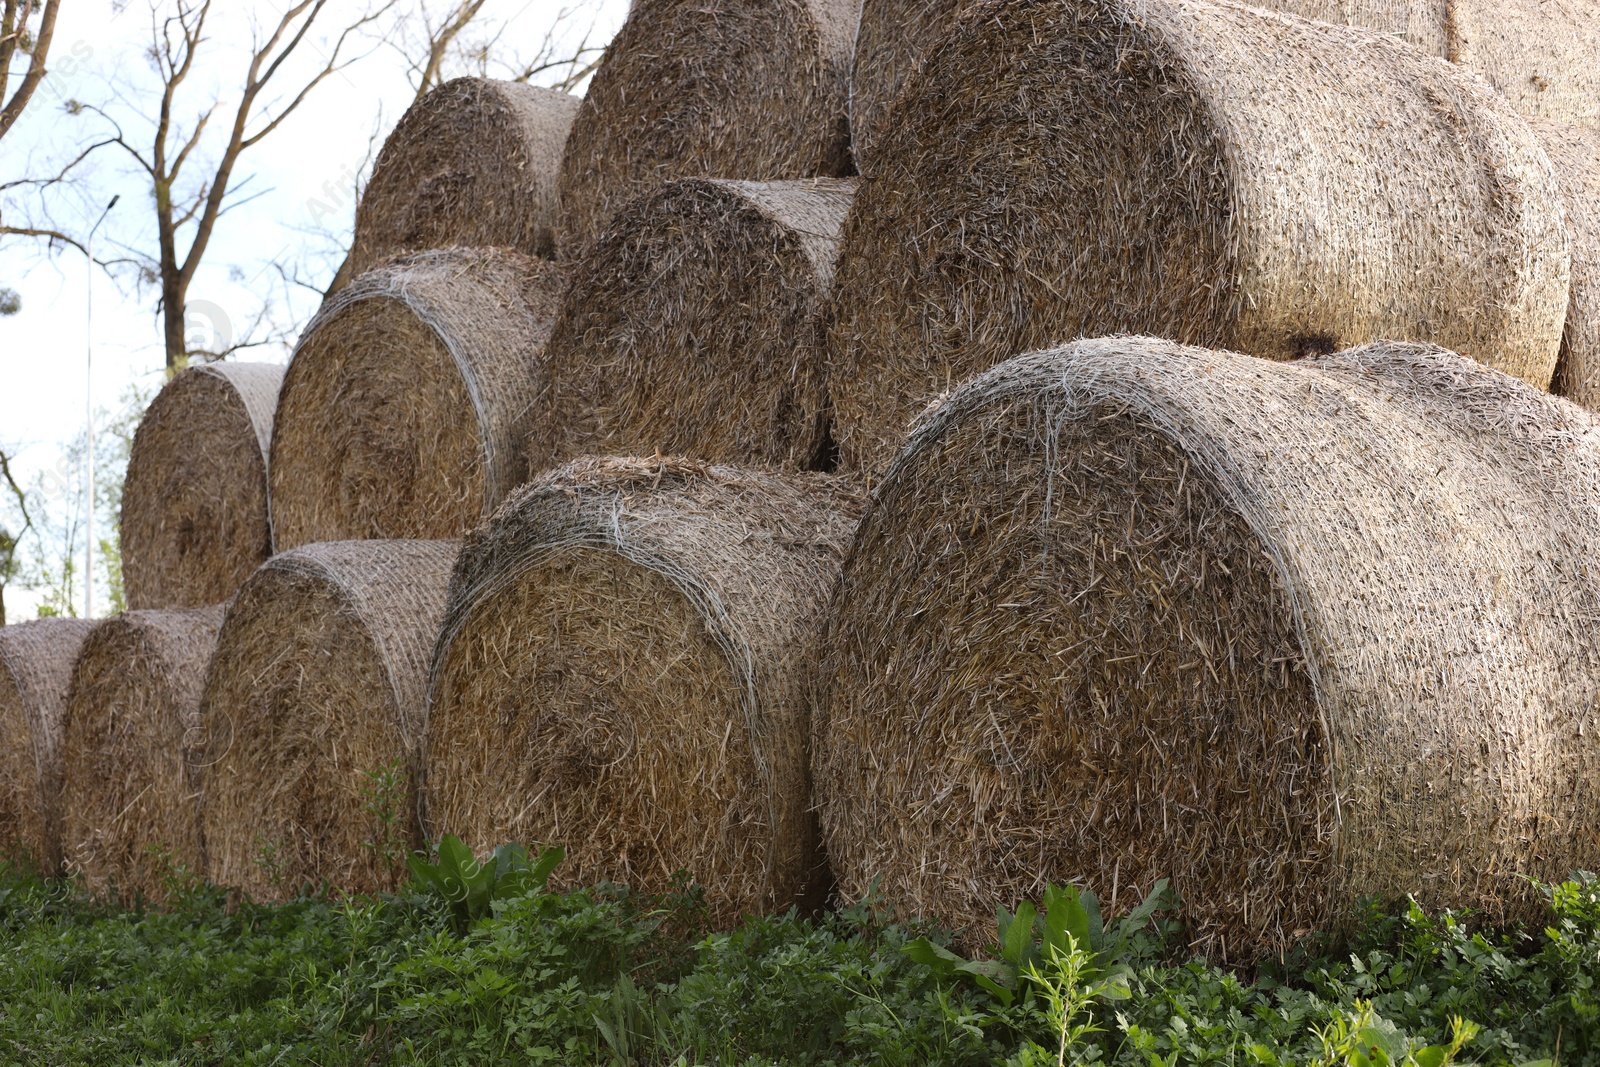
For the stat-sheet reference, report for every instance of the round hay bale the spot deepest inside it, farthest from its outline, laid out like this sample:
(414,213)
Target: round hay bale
(743,89)
(621,672)
(130,792)
(1209,172)
(1575,153)
(36,661)
(472,163)
(194,503)
(696,326)
(311,713)
(404,410)
(1287,633)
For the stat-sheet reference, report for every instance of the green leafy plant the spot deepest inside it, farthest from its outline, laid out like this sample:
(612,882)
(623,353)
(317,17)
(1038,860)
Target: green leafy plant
(470,888)
(385,794)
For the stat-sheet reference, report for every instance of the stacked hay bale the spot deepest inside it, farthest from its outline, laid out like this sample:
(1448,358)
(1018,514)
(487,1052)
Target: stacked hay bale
(36,660)
(725,89)
(194,502)
(1288,633)
(472,163)
(1198,170)
(130,794)
(404,410)
(696,325)
(311,711)
(622,671)
(1575,154)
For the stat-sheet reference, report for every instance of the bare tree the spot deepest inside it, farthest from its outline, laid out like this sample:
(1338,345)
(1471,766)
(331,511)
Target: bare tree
(433,38)
(11,539)
(16,38)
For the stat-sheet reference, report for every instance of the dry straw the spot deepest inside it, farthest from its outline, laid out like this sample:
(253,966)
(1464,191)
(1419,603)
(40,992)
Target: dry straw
(1203,171)
(696,326)
(1575,153)
(130,794)
(310,715)
(749,89)
(1539,54)
(194,505)
(621,672)
(405,407)
(36,661)
(472,163)
(1286,633)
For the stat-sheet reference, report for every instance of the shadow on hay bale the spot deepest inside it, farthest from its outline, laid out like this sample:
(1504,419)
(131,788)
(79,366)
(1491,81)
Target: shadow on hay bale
(473,163)
(1288,633)
(748,89)
(696,326)
(404,410)
(36,661)
(130,792)
(310,715)
(1204,171)
(194,503)
(1575,154)
(621,671)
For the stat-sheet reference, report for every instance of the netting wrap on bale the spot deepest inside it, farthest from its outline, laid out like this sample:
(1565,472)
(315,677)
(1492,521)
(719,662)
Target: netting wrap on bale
(622,671)
(473,163)
(747,89)
(404,410)
(1205,171)
(1575,153)
(1286,633)
(36,661)
(194,503)
(311,714)
(696,326)
(130,792)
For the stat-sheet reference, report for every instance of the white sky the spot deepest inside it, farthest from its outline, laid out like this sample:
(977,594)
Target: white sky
(303,172)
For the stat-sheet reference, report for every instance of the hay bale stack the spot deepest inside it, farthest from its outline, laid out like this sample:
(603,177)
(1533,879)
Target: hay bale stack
(472,163)
(1288,633)
(1198,170)
(130,792)
(723,89)
(1575,153)
(621,672)
(314,694)
(36,661)
(404,409)
(194,504)
(696,326)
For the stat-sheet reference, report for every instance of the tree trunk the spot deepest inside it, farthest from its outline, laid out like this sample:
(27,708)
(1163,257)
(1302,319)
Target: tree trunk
(172,309)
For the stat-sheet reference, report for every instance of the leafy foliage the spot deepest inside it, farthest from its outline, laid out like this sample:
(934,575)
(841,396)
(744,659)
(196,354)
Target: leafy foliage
(470,887)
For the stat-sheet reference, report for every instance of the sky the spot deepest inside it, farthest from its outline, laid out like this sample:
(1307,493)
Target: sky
(296,203)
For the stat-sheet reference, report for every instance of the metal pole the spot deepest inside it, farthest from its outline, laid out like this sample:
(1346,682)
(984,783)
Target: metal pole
(88,410)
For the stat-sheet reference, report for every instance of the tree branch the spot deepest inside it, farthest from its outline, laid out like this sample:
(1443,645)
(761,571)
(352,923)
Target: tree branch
(36,64)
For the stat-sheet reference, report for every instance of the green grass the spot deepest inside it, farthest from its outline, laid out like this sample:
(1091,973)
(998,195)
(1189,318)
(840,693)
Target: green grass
(605,976)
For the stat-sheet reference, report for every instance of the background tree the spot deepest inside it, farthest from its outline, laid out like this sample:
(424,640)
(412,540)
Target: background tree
(12,532)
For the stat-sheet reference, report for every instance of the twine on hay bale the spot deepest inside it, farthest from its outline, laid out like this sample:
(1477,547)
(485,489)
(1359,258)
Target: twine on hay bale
(472,163)
(621,672)
(130,792)
(194,503)
(315,692)
(696,326)
(1575,154)
(36,661)
(1209,172)
(745,89)
(1288,633)
(404,410)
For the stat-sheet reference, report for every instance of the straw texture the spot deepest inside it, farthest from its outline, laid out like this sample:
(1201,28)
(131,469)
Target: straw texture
(622,671)
(1288,633)
(696,326)
(194,503)
(317,688)
(1204,171)
(1575,153)
(473,163)
(130,792)
(747,89)
(405,407)
(36,661)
